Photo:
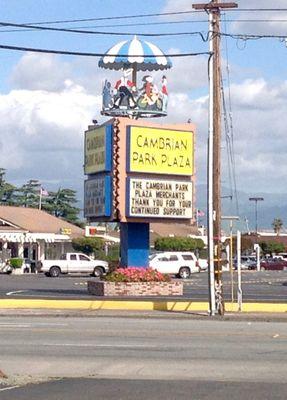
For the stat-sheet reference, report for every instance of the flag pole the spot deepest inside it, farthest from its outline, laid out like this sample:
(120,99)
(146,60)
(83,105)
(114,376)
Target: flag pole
(40,199)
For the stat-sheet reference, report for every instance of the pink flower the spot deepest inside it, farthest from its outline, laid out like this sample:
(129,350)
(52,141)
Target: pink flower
(135,274)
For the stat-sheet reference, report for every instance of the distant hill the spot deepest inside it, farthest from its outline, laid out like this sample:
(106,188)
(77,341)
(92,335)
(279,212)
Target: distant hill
(273,206)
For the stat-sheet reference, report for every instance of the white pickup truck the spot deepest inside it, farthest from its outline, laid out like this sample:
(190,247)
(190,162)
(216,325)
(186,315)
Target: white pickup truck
(73,263)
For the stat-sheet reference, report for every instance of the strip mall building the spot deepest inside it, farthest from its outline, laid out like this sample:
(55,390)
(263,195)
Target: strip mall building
(34,234)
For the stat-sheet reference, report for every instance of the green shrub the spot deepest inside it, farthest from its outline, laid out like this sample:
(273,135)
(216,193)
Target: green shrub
(16,262)
(178,243)
(272,247)
(88,245)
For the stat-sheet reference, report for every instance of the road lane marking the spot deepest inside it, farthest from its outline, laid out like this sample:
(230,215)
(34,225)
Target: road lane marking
(30,325)
(87,345)
(15,292)
(8,388)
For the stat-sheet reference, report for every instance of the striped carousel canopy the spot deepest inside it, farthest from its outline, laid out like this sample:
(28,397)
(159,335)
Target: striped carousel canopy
(143,55)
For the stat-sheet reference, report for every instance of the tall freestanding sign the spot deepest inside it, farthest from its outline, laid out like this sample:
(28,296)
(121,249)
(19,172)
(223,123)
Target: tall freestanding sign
(138,172)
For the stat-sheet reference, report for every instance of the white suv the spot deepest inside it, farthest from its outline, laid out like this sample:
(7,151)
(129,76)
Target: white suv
(176,263)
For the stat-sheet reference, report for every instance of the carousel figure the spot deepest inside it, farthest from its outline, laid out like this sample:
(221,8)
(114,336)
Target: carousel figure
(126,99)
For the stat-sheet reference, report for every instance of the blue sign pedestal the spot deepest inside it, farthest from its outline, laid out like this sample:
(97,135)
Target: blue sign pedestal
(134,244)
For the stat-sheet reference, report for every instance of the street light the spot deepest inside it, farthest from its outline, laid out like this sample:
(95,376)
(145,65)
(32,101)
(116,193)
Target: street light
(256,199)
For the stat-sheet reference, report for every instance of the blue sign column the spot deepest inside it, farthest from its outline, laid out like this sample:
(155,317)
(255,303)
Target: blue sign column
(134,248)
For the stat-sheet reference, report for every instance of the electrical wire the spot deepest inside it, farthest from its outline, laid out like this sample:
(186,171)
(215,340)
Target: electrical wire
(256,9)
(115,26)
(248,36)
(76,53)
(150,15)
(229,134)
(150,24)
(46,28)
(114,18)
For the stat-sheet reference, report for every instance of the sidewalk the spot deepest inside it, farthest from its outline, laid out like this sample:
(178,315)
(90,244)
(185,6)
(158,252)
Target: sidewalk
(248,317)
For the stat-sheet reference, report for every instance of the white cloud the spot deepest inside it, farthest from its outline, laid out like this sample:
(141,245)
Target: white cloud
(42,129)
(178,6)
(266,27)
(40,72)
(42,132)
(188,74)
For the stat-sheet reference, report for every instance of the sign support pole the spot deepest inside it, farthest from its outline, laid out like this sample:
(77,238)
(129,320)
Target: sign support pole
(134,247)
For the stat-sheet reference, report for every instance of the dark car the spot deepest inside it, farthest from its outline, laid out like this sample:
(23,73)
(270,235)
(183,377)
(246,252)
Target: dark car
(273,264)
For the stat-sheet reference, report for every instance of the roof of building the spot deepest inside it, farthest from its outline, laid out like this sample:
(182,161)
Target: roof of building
(265,237)
(36,221)
(175,229)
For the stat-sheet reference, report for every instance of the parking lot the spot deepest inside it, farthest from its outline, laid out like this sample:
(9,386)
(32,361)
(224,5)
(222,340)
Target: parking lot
(263,286)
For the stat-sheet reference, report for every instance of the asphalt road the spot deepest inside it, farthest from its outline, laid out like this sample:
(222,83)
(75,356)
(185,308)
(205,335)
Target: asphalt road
(262,286)
(91,389)
(137,358)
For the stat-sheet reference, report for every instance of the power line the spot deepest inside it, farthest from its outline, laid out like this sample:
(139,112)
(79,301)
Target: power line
(248,36)
(257,9)
(46,28)
(116,26)
(228,125)
(149,15)
(114,18)
(69,29)
(76,53)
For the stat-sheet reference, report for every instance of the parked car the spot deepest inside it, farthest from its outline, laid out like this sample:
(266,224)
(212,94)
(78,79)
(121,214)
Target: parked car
(270,264)
(73,263)
(283,256)
(203,264)
(246,261)
(182,264)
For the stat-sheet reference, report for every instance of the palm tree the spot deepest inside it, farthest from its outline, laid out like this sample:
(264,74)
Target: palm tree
(277,225)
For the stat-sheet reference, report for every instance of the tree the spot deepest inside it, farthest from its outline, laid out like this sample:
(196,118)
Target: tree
(246,243)
(178,244)
(28,195)
(7,191)
(272,247)
(277,225)
(88,245)
(62,205)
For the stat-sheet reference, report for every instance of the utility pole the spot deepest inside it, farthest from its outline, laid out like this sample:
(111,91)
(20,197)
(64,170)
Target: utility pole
(214,155)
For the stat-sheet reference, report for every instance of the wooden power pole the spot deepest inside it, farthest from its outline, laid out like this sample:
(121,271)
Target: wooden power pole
(214,215)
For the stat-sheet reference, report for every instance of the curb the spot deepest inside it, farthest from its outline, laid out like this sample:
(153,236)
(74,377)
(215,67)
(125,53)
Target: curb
(132,305)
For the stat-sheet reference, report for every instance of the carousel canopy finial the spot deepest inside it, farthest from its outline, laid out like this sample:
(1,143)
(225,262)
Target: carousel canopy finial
(139,54)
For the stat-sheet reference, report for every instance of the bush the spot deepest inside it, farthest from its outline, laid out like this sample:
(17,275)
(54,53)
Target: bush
(132,274)
(272,247)
(178,244)
(16,262)
(246,243)
(88,245)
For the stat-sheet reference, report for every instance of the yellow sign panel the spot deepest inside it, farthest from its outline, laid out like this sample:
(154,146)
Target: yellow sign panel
(65,231)
(161,151)
(98,150)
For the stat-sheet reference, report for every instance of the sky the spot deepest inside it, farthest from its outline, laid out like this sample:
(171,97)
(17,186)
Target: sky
(47,101)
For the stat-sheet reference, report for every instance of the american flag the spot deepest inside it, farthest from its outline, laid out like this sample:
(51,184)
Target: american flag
(44,192)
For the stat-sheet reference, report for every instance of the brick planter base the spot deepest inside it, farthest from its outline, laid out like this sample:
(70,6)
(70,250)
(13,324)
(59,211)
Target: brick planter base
(99,288)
